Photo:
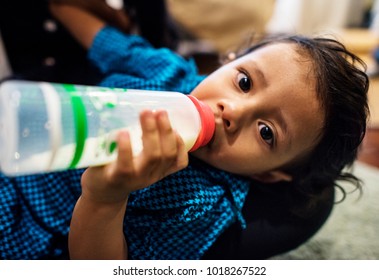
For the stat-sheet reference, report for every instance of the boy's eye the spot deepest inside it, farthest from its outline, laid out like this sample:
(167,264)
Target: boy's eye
(266,134)
(244,82)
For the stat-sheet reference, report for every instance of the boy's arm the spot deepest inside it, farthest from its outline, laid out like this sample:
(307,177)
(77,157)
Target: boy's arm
(96,230)
(81,24)
(117,17)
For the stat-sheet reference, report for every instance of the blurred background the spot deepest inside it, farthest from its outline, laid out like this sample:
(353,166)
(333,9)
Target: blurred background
(34,46)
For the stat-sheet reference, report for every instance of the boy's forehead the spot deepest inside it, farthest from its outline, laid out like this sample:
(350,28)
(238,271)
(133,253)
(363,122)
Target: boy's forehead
(276,48)
(282,58)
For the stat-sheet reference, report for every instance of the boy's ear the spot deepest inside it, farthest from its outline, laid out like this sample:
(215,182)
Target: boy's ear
(272,177)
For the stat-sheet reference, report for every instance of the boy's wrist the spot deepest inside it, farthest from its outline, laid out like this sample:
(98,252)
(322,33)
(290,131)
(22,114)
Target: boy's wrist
(97,192)
(102,205)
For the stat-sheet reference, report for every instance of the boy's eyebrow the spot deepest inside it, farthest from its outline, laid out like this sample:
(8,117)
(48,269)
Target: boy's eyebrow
(283,125)
(260,74)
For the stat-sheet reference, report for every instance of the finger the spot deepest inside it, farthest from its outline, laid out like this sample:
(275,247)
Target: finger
(124,162)
(182,156)
(167,136)
(150,134)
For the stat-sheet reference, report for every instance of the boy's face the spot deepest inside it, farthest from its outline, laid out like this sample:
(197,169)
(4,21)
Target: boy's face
(266,110)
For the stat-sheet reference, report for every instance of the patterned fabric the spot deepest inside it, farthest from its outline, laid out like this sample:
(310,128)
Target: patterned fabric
(129,61)
(177,218)
(35,213)
(180,217)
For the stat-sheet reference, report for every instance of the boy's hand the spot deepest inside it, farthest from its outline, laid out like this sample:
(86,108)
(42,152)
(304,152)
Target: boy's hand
(163,154)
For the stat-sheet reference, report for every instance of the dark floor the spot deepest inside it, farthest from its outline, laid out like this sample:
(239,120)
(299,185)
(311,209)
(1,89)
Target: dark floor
(369,152)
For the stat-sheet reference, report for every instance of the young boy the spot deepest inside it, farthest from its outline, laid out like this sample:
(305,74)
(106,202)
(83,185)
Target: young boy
(290,109)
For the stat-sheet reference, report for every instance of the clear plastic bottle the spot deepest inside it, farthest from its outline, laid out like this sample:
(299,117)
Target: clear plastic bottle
(50,127)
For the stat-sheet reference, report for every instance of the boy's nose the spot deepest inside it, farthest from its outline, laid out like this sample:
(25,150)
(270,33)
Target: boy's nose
(232,115)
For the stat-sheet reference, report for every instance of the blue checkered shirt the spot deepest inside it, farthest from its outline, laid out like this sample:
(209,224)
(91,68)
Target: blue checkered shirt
(178,217)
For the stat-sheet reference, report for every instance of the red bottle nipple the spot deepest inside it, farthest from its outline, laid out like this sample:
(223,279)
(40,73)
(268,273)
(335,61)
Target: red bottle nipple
(207,123)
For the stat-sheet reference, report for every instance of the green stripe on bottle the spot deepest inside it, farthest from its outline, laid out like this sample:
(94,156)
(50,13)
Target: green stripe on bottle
(81,126)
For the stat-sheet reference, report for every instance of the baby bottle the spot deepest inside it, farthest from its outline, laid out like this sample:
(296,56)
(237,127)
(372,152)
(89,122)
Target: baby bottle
(50,127)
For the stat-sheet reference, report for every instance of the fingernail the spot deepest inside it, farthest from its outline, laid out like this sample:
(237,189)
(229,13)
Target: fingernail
(163,114)
(148,119)
(124,134)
